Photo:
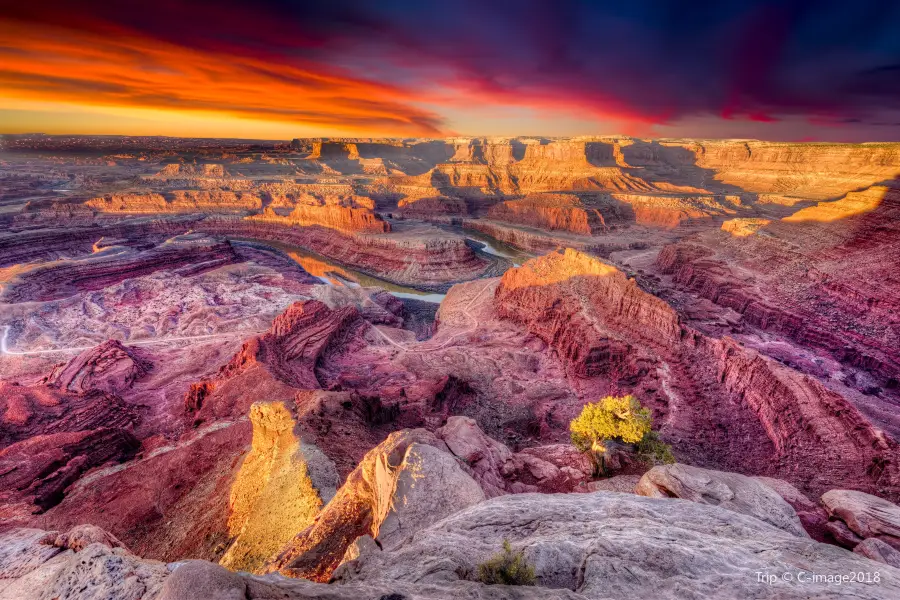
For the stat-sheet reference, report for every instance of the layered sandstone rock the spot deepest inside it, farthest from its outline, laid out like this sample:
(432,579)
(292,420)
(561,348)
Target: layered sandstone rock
(156,454)
(415,478)
(878,551)
(33,568)
(132,203)
(727,490)
(550,211)
(109,367)
(279,488)
(811,170)
(551,468)
(586,546)
(297,341)
(608,545)
(422,257)
(432,206)
(330,216)
(811,514)
(35,410)
(189,253)
(865,515)
(820,277)
(189,170)
(183,201)
(167,503)
(392,487)
(35,473)
(744,227)
(670,211)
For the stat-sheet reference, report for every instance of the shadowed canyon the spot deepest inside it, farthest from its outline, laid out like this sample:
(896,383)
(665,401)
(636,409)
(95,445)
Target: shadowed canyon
(347,368)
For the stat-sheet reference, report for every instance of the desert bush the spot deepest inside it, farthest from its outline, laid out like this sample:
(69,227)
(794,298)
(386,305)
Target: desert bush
(506,568)
(653,450)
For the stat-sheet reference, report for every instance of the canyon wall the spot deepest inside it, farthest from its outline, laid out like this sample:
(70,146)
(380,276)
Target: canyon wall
(331,216)
(600,321)
(821,276)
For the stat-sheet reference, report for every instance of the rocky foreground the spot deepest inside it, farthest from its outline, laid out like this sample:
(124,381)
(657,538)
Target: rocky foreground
(590,545)
(225,372)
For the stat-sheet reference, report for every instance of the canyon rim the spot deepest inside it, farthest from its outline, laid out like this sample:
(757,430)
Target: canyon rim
(293,305)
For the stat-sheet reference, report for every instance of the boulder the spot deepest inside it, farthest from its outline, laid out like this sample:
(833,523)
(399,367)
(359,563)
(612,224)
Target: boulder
(732,491)
(574,466)
(617,483)
(841,534)
(489,459)
(430,485)
(195,579)
(865,515)
(813,516)
(109,367)
(97,571)
(550,468)
(879,551)
(81,536)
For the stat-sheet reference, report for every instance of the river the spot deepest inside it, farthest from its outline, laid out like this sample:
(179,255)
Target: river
(332,273)
(328,271)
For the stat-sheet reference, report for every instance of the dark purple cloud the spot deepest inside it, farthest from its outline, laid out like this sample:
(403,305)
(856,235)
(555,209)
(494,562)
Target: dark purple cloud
(639,61)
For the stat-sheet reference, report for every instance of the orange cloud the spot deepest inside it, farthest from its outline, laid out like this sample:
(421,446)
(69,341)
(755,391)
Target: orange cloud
(44,63)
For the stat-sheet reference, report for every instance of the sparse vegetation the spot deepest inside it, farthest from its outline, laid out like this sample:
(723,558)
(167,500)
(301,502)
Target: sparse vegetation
(506,568)
(653,450)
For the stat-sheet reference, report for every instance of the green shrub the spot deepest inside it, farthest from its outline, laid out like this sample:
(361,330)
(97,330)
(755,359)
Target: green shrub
(612,418)
(506,568)
(653,450)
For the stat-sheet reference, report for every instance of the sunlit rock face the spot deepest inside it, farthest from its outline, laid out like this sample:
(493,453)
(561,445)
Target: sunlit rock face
(279,488)
(357,359)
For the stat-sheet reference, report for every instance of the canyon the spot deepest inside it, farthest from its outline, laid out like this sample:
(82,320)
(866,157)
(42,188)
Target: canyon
(346,368)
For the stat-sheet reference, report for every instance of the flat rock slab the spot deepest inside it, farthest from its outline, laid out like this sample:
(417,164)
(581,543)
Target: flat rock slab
(610,545)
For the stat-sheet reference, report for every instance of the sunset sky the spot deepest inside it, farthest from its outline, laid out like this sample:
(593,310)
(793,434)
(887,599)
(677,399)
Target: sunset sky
(789,70)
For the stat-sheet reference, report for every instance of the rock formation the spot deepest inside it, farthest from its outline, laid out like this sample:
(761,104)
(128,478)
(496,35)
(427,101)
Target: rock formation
(550,211)
(728,490)
(391,488)
(331,216)
(603,323)
(421,257)
(248,362)
(179,201)
(865,516)
(608,545)
(279,488)
(188,253)
(109,367)
(817,277)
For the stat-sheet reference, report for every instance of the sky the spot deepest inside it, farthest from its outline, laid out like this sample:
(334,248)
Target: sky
(795,70)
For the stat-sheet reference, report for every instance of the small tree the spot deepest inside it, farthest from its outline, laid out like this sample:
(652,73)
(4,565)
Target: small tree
(506,568)
(612,418)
